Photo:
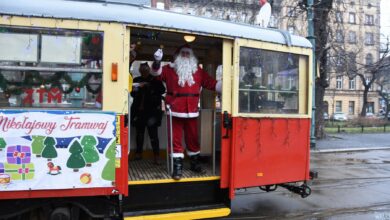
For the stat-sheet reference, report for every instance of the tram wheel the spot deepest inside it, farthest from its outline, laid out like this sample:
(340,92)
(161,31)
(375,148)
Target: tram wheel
(60,213)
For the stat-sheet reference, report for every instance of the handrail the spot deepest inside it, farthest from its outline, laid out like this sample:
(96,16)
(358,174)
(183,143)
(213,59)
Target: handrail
(170,136)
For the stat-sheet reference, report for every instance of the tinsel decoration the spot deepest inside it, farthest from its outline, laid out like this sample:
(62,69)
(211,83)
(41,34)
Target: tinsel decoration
(34,79)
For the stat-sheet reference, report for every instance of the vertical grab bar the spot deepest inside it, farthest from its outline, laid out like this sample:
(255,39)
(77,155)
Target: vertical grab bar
(128,123)
(170,136)
(214,130)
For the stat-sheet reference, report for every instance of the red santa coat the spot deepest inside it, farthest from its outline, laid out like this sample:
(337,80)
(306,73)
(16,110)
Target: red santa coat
(184,100)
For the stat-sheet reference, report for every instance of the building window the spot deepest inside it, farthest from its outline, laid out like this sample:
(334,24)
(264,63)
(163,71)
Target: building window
(352,84)
(352,18)
(339,17)
(291,29)
(369,39)
(352,37)
(351,108)
(339,82)
(369,20)
(370,107)
(338,106)
(339,36)
(291,12)
(368,80)
(369,59)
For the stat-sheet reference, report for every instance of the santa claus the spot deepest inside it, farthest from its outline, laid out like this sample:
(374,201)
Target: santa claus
(184,80)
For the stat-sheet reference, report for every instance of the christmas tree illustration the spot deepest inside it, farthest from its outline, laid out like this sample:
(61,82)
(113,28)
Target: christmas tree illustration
(76,159)
(90,153)
(109,169)
(49,151)
(2,144)
(37,144)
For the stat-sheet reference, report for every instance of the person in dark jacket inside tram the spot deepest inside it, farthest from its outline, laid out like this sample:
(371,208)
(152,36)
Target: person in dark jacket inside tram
(146,111)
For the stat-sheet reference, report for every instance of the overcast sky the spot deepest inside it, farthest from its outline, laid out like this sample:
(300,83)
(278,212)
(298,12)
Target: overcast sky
(385,19)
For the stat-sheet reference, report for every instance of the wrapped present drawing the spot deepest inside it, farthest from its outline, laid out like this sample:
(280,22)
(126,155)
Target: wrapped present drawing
(1,167)
(18,154)
(20,171)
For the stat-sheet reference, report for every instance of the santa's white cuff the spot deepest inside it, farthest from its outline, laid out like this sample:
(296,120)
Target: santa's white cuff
(218,86)
(178,155)
(189,153)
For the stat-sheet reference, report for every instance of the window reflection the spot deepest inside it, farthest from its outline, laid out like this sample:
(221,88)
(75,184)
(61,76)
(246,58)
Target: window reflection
(47,68)
(269,81)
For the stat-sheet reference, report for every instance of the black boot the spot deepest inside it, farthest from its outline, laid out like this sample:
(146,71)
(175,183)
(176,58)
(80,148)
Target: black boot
(195,165)
(177,168)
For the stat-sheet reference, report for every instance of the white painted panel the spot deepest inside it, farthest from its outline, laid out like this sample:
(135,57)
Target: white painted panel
(18,47)
(60,49)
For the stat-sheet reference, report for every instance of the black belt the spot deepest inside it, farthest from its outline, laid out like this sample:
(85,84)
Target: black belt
(182,94)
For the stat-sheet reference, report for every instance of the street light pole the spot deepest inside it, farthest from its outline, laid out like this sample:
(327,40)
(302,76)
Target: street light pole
(311,37)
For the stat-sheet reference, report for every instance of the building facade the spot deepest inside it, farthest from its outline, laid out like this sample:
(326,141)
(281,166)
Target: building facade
(355,34)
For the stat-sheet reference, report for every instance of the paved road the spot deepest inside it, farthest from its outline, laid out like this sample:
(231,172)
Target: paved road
(345,141)
(351,185)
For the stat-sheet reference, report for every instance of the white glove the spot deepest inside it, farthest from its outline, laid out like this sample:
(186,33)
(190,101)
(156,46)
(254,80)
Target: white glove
(158,55)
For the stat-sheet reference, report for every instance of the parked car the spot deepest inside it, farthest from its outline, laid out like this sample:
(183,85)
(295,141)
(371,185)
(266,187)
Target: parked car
(383,116)
(370,115)
(326,116)
(339,116)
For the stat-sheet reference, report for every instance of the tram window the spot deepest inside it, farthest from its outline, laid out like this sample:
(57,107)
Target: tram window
(50,68)
(269,81)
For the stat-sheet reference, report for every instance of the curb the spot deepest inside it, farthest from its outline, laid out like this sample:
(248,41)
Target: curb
(348,149)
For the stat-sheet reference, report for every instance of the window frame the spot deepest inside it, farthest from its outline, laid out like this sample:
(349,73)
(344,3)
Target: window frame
(369,38)
(352,84)
(352,18)
(352,37)
(305,79)
(369,20)
(351,107)
(339,82)
(338,106)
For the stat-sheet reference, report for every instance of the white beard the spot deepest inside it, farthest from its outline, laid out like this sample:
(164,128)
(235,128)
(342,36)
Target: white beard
(185,68)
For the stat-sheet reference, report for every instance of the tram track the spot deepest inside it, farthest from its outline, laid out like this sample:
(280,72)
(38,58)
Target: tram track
(323,213)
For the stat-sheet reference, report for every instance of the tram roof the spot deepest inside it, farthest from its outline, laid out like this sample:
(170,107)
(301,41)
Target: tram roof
(131,14)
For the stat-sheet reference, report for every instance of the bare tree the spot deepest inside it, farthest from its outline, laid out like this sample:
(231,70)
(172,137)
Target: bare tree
(370,72)
(383,83)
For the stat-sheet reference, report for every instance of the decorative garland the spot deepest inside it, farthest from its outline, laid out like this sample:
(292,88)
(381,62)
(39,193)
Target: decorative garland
(33,78)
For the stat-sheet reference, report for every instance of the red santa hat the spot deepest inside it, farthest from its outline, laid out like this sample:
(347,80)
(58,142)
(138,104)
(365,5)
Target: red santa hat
(262,2)
(185,46)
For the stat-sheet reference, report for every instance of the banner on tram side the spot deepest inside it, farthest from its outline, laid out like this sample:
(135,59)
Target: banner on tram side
(56,150)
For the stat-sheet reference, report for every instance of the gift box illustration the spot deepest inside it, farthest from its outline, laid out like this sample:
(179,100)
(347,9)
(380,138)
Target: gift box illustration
(18,154)
(1,167)
(20,171)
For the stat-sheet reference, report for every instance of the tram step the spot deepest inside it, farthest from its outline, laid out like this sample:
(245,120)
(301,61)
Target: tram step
(163,197)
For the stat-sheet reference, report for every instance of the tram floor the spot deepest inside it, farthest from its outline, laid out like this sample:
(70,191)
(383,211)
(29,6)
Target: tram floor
(146,169)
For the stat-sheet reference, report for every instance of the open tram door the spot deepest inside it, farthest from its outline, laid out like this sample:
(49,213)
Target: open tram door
(266,125)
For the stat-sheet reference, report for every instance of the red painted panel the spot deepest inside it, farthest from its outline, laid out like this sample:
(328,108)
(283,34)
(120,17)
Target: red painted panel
(269,151)
(121,174)
(225,155)
(56,193)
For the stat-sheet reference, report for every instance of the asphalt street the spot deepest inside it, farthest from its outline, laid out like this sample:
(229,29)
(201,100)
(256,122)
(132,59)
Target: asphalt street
(358,141)
(352,184)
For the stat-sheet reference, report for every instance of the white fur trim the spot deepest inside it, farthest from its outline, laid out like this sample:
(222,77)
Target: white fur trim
(218,86)
(156,72)
(185,115)
(172,65)
(180,155)
(189,153)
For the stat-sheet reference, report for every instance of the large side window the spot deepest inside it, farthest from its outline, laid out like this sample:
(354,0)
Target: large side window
(269,81)
(50,68)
